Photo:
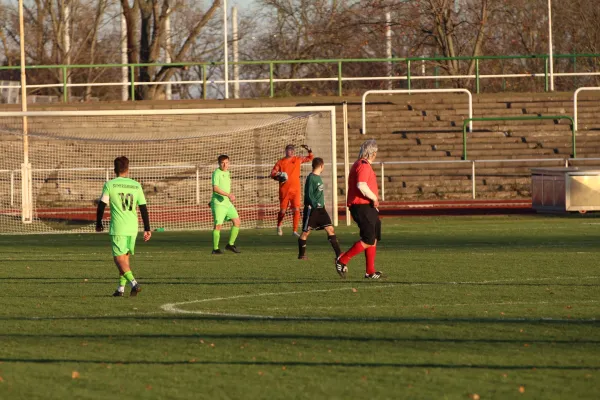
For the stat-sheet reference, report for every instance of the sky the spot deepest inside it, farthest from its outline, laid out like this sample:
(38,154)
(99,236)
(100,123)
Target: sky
(243,4)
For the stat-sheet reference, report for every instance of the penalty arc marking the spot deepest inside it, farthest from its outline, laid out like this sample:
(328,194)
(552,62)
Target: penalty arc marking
(175,307)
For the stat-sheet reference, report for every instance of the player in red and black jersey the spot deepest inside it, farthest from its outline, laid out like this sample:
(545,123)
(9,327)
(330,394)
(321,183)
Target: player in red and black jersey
(363,201)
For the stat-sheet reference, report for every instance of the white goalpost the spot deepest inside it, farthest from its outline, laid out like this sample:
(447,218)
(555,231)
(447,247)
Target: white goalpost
(51,179)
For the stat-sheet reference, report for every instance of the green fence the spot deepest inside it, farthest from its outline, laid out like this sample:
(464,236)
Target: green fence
(337,64)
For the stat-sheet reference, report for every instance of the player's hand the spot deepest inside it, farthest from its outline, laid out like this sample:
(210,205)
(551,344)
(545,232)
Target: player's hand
(376,204)
(99,228)
(231,196)
(147,235)
(305,147)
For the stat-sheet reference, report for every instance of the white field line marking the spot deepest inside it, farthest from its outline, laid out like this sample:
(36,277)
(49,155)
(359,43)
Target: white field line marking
(175,307)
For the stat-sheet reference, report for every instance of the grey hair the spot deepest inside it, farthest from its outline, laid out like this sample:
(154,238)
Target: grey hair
(367,149)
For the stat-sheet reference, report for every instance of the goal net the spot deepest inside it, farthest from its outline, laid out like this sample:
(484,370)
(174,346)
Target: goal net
(51,178)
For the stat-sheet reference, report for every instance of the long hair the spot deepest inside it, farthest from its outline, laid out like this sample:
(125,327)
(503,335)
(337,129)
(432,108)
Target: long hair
(367,149)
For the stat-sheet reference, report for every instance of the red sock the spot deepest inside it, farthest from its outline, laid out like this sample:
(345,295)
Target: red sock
(370,256)
(296,220)
(357,248)
(280,218)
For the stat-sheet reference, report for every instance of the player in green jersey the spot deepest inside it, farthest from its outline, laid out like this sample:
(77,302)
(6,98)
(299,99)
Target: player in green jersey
(123,195)
(315,216)
(221,205)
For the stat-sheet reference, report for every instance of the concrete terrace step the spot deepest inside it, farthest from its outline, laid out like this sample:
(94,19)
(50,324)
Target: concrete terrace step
(428,128)
(516,146)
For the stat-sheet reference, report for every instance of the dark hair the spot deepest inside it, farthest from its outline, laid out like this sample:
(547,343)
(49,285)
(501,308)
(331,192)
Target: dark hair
(121,165)
(317,162)
(290,147)
(222,158)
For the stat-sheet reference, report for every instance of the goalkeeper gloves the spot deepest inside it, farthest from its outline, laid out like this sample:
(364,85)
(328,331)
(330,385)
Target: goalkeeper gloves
(306,148)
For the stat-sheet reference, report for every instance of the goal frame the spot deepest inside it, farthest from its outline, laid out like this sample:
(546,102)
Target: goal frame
(27,205)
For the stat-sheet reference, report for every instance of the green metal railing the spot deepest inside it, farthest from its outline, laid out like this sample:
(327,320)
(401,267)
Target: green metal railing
(340,78)
(466,121)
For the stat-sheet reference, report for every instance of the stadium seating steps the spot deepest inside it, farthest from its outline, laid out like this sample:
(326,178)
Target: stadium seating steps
(416,128)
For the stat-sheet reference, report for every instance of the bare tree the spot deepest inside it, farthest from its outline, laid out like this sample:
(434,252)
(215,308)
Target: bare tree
(46,27)
(145,38)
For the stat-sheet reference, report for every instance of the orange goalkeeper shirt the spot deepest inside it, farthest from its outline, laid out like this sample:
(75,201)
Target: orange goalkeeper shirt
(291,166)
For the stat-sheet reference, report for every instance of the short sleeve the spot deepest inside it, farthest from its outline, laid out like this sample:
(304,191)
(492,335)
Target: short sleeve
(141,197)
(105,197)
(363,172)
(216,178)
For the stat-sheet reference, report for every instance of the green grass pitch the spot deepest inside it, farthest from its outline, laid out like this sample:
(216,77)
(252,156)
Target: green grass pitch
(472,307)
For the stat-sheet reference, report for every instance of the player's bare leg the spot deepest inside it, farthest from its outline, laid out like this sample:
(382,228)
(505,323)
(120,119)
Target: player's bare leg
(296,221)
(122,263)
(216,239)
(280,218)
(235,229)
(302,245)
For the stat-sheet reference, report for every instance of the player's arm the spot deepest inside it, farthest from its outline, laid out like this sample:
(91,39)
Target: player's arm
(310,155)
(278,174)
(362,177)
(217,189)
(313,192)
(220,191)
(144,213)
(104,199)
(318,193)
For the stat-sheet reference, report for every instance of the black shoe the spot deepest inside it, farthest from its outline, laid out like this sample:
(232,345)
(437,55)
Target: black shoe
(374,275)
(340,268)
(135,290)
(232,248)
(118,294)
(217,251)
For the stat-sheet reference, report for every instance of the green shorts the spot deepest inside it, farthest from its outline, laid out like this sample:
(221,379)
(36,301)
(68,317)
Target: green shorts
(223,213)
(122,245)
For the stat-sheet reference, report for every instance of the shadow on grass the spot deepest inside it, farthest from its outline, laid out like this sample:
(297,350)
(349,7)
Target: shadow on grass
(259,336)
(308,364)
(211,281)
(58,260)
(262,319)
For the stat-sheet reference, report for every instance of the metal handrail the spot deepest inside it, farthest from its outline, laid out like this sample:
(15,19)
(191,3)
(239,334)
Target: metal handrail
(575,114)
(382,165)
(473,169)
(525,118)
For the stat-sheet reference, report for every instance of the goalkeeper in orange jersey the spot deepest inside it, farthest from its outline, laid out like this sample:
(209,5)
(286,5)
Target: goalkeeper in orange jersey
(287,172)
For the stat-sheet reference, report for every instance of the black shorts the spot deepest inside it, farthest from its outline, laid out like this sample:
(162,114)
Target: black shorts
(367,219)
(315,219)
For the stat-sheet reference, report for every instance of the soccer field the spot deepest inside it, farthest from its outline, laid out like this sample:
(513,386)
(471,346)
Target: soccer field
(479,307)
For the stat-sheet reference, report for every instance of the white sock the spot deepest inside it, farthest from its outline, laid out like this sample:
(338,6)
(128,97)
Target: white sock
(121,289)
(133,283)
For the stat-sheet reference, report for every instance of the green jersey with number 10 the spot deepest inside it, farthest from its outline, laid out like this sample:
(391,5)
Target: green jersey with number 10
(123,195)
